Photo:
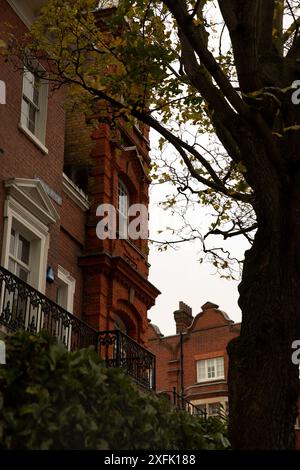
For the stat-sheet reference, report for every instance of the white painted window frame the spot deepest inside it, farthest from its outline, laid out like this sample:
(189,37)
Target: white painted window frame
(123,206)
(69,283)
(39,136)
(209,379)
(15,215)
(205,402)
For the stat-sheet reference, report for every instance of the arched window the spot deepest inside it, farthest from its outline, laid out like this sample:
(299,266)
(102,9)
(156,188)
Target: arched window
(123,205)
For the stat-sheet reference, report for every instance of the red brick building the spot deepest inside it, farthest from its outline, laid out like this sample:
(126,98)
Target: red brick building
(195,361)
(55,171)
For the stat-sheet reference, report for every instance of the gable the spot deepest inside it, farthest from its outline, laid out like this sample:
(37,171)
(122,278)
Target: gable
(210,317)
(31,194)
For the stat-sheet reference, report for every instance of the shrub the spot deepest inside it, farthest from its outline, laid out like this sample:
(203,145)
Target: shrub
(53,399)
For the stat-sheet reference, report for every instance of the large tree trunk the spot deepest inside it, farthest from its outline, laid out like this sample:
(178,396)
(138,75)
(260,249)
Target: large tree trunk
(263,381)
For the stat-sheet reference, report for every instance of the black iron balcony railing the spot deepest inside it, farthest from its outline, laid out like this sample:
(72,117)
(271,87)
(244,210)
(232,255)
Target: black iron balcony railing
(119,350)
(182,404)
(24,308)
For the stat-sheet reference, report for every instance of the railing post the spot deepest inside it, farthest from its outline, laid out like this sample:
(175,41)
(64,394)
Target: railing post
(174,396)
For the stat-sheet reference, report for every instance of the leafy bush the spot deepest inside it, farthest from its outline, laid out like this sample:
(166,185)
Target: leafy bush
(53,399)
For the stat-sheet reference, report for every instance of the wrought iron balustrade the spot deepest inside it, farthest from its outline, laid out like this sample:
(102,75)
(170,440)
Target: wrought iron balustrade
(119,350)
(182,404)
(23,307)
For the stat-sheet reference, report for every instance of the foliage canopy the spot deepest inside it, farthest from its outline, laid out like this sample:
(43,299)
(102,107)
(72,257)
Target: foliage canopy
(53,399)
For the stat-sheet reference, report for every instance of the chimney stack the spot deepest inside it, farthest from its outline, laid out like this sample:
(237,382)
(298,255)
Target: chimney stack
(183,317)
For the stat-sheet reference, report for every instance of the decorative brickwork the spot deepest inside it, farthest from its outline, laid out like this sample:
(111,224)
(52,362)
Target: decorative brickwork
(199,338)
(111,286)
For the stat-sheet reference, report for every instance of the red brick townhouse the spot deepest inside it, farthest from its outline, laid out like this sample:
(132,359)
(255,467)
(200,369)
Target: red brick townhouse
(55,170)
(194,361)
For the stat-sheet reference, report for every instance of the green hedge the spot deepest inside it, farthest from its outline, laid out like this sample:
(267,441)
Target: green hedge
(53,399)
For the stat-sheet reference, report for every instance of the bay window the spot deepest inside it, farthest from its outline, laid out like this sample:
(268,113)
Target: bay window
(210,369)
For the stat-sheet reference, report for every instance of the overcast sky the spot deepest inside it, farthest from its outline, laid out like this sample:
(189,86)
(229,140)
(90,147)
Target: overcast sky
(180,276)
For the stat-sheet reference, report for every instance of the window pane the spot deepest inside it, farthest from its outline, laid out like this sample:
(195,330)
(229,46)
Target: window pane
(31,102)
(123,210)
(122,199)
(123,204)
(202,407)
(23,250)
(12,243)
(11,266)
(211,370)
(220,366)
(36,91)
(201,370)
(28,85)
(22,274)
(59,296)
(122,226)
(213,409)
(62,296)
(31,118)
(24,112)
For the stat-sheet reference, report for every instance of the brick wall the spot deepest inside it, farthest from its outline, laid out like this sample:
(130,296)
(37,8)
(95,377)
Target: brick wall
(21,158)
(206,337)
(111,275)
(115,271)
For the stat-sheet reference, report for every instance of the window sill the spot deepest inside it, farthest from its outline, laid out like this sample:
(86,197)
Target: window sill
(75,193)
(33,139)
(214,380)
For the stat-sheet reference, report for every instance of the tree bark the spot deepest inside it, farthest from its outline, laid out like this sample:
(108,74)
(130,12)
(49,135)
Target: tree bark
(263,381)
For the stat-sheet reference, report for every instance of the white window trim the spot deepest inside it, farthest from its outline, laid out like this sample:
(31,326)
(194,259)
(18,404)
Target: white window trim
(208,401)
(39,138)
(75,193)
(13,211)
(34,215)
(210,379)
(123,217)
(66,278)
(17,188)
(14,256)
(33,138)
